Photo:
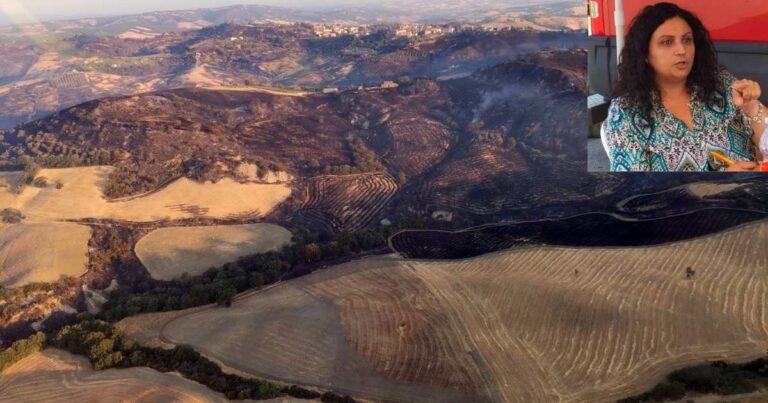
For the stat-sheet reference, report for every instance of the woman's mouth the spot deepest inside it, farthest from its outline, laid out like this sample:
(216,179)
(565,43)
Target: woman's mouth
(681,65)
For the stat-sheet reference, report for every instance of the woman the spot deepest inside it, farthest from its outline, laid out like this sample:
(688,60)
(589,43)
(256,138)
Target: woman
(674,105)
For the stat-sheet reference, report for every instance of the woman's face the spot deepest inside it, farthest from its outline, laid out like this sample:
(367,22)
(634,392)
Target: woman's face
(671,50)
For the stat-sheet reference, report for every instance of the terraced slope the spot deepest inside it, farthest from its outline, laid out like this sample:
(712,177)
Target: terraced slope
(347,202)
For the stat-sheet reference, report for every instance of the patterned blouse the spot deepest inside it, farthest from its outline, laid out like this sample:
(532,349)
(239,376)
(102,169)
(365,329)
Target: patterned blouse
(669,145)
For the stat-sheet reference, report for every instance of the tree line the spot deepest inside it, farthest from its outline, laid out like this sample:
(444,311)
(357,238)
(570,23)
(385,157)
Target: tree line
(220,285)
(719,378)
(106,348)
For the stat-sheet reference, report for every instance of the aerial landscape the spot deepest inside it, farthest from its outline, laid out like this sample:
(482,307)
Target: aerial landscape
(386,202)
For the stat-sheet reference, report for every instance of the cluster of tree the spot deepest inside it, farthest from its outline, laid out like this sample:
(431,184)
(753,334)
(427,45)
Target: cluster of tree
(28,174)
(22,295)
(264,167)
(364,160)
(718,378)
(109,245)
(40,143)
(220,285)
(49,152)
(21,349)
(11,215)
(122,181)
(377,40)
(105,348)
(99,156)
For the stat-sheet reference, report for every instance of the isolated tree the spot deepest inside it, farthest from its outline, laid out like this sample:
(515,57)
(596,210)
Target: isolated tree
(40,182)
(11,216)
(401,178)
(689,272)
(510,143)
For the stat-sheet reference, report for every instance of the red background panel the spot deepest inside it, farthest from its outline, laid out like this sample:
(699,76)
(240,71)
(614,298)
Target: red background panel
(731,20)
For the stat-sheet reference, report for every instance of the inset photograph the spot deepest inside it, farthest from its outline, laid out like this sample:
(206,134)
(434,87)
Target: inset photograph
(677,86)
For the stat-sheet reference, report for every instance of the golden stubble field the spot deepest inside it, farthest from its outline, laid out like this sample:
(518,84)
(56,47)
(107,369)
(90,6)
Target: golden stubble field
(42,252)
(57,376)
(81,197)
(169,252)
(45,245)
(517,326)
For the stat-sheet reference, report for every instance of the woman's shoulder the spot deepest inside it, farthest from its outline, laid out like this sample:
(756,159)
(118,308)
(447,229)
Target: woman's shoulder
(620,105)
(622,120)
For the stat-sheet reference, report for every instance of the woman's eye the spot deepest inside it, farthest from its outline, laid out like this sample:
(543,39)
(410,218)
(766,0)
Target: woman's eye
(687,40)
(666,42)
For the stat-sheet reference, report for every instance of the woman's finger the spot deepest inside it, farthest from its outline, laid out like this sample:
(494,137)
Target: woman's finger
(741,166)
(745,91)
(738,99)
(745,86)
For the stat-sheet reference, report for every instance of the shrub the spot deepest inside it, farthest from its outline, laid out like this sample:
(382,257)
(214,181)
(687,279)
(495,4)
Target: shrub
(11,215)
(40,182)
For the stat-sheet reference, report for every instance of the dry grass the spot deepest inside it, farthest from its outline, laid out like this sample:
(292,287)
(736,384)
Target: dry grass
(43,249)
(190,25)
(42,252)
(169,252)
(199,76)
(81,197)
(57,376)
(260,89)
(136,35)
(519,325)
(147,329)
(47,61)
(294,333)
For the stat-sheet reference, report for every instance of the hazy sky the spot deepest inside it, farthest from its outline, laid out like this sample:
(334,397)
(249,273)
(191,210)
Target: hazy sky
(25,11)
(20,11)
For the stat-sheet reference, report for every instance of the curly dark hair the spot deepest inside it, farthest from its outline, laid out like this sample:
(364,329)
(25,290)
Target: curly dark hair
(636,77)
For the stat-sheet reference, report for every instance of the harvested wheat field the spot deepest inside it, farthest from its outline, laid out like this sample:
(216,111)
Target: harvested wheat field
(81,197)
(167,253)
(517,326)
(58,376)
(42,252)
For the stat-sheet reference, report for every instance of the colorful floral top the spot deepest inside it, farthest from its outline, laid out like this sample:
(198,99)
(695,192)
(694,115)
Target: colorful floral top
(669,145)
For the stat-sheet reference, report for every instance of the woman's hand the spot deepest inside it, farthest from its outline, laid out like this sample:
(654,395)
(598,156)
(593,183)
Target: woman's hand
(745,95)
(742,166)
